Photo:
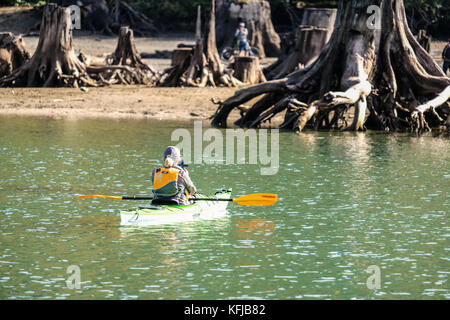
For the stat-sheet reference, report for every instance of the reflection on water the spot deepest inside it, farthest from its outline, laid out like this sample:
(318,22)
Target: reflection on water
(347,201)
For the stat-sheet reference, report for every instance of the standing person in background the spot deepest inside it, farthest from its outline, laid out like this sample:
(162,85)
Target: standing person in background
(241,35)
(446,57)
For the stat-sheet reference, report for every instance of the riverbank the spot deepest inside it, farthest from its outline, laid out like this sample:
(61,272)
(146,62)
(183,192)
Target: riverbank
(116,102)
(124,102)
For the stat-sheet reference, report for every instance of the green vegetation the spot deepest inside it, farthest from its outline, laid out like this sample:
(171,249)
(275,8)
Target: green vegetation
(431,15)
(172,15)
(22,3)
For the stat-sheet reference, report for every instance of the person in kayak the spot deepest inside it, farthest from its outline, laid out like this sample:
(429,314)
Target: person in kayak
(171,183)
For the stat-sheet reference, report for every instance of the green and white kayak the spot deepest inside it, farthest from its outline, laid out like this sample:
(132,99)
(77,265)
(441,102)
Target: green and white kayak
(169,213)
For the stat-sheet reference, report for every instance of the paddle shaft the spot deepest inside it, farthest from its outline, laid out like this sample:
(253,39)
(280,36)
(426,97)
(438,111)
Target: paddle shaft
(203,199)
(257,199)
(137,198)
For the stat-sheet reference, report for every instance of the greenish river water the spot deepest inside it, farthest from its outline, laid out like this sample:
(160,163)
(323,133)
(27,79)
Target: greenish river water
(348,203)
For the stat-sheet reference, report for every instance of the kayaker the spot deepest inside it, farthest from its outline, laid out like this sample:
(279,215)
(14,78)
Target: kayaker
(171,183)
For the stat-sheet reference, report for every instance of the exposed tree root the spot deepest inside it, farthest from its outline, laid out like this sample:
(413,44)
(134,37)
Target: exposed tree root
(384,77)
(55,64)
(202,66)
(126,55)
(419,123)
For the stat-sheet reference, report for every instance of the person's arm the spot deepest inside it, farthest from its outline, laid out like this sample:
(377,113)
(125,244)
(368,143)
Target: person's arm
(188,183)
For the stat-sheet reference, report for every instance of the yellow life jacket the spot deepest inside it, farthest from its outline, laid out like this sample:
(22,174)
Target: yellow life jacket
(165,182)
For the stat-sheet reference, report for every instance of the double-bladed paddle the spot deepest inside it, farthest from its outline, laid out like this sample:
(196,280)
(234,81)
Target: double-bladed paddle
(256,199)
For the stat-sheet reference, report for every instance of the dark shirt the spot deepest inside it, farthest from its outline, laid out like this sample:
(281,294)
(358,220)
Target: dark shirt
(446,52)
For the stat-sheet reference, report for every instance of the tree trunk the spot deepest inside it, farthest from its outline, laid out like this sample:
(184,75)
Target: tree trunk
(12,53)
(181,59)
(212,55)
(126,55)
(55,63)
(203,66)
(116,11)
(180,55)
(310,38)
(257,16)
(381,71)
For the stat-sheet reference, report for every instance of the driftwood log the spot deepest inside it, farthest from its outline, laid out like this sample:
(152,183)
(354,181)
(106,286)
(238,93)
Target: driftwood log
(379,73)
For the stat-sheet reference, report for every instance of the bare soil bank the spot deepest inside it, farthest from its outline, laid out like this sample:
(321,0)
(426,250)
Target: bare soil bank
(118,102)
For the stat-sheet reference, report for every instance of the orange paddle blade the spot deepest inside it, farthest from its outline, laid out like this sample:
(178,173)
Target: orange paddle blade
(257,199)
(99,196)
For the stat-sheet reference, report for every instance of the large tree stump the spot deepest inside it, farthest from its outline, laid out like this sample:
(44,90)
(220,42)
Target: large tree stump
(257,16)
(188,64)
(12,53)
(55,64)
(126,54)
(173,76)
(383,72)
(179,55)
(247,70)
(310,38)
(202,66)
